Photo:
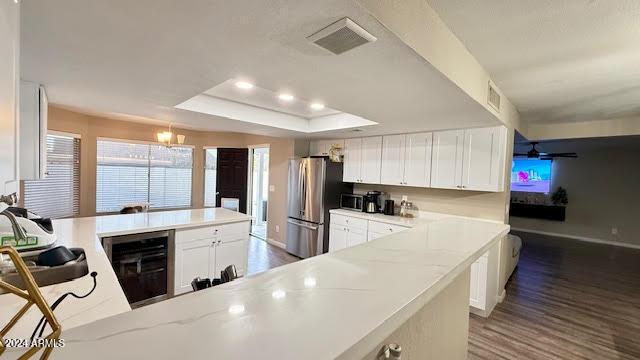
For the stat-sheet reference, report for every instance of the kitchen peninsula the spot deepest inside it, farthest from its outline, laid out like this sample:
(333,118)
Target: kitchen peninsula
(345,304)
(108,298)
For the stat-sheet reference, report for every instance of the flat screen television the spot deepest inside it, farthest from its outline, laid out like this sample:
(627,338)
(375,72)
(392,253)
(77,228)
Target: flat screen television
(531,175)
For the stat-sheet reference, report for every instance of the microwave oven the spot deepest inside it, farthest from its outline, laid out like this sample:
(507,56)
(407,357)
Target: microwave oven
(352,202)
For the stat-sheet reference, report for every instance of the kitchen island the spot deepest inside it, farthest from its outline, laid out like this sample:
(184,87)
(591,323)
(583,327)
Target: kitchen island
(108,298)
(411,287)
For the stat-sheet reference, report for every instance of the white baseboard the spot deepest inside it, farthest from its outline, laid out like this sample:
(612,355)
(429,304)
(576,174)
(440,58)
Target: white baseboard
(580,238)
(502,295)
(276,243)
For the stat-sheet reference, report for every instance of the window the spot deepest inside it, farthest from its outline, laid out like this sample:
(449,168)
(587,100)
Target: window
(129,173)
(58,195)
(210,167)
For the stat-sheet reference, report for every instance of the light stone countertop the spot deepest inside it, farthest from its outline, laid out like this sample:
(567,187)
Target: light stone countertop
(336,305)
(423,217)
(108,298)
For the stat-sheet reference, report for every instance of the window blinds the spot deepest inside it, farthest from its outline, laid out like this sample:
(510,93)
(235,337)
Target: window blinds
(210,166)
(58,195)
(142,173)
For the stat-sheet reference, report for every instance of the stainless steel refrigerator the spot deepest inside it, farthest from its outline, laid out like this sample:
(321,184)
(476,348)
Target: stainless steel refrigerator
(315,185)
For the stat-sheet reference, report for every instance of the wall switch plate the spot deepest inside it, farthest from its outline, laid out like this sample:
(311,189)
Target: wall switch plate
(272,188)
(277,228)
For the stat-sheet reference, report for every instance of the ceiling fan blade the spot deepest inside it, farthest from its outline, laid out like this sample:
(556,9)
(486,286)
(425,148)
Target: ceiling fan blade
(571,155)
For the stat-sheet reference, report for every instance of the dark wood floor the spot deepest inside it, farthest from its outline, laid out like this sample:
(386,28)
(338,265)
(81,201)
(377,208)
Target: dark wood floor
(263,256)
(566,300)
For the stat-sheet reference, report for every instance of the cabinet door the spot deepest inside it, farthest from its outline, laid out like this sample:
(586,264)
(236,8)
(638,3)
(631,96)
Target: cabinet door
(371,160)
(231,253)
(337,238)
(417,162)
(446,166)
(393,160)
(192,260)
(478,284)
(315,148)
(352,160)
(356,236)
(483,159)
(372,235)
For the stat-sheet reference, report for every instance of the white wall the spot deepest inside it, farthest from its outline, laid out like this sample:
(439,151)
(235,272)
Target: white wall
(9,80)
(603,186)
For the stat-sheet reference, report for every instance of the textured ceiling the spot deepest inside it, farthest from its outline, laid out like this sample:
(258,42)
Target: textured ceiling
(138,59)
(556,60)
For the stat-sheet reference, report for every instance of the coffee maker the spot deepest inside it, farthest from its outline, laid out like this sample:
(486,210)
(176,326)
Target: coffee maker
(372,202)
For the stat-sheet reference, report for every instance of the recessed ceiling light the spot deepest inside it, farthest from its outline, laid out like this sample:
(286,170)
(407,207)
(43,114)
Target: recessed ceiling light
(285,97)
(244,85)
(317,106)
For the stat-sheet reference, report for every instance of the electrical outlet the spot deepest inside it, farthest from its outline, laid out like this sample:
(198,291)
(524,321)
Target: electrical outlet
(277,228)
(614,231)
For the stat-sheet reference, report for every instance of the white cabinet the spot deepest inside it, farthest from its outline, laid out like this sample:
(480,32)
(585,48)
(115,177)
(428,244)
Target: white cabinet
(9,95)
(33,131)
(478,283)
(371,159)
(322,147)
(192,259)
(483,159)
(393,152)
(362,160)
(356,236)
(417,162)
(471,159)
(337,237)
(378,229)
(406,159)
(352,160)
(446,166)
(206,251)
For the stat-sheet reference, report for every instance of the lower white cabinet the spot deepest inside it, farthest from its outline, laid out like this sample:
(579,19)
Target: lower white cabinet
(345,231)
(206,251)
(478,283)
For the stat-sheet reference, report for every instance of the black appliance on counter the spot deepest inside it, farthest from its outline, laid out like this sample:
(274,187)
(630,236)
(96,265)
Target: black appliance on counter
(143,264)
(352,202)
(372,202)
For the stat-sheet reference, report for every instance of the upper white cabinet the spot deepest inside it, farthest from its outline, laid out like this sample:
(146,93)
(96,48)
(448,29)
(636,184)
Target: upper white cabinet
(33,131)
(352,160)
(446,166)
(322,147)
(483,159)
(9,95)
(471,159)
(406,159)
(362,160)
(468,159)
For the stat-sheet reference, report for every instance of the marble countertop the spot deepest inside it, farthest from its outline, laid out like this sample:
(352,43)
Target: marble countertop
(336,305)
(108,298)
(392,219)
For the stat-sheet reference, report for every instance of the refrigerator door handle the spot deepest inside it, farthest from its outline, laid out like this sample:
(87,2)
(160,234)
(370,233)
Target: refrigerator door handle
(310,227)
(300,187)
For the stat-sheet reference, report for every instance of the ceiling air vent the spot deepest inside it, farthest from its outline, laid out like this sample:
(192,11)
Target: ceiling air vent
(343,35)
(494,98)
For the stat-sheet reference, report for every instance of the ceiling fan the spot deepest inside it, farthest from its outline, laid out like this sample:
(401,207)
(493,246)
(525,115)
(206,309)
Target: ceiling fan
(535,154)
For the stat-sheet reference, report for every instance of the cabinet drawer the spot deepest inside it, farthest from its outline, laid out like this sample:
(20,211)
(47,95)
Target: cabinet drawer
(383,228)
(348,221)
(198,233)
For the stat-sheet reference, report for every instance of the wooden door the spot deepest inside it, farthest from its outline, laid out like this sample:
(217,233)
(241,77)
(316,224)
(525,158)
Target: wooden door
(231,177)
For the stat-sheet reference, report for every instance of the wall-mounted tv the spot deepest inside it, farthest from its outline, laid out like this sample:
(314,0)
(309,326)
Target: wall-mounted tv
(531,175)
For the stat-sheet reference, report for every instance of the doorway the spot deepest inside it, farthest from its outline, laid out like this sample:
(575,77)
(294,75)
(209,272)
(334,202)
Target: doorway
(259,157)
(231,179)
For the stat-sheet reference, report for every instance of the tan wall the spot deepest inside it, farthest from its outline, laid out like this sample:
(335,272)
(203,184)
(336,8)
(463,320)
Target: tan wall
(93,127)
